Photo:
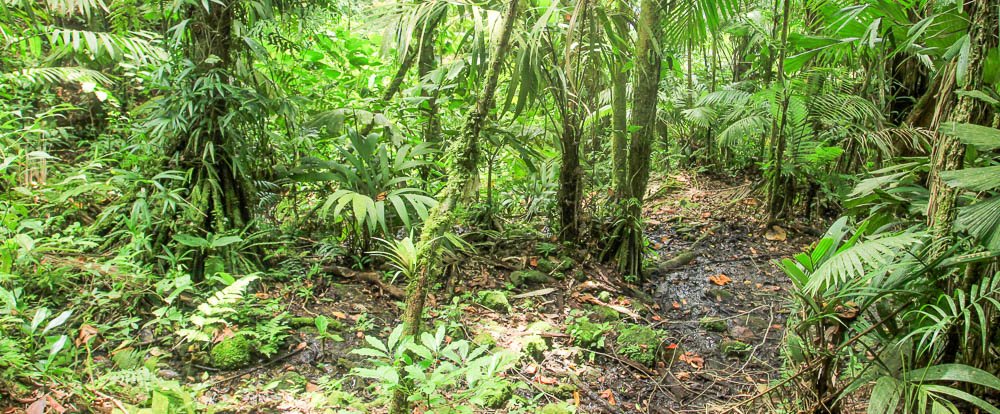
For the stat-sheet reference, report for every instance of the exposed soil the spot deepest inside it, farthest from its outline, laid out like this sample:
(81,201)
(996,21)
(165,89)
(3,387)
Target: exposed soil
(743,298)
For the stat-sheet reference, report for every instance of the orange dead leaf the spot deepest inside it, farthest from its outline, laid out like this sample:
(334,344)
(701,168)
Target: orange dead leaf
(676,305)
(683,376)
(672,346)
(692,359)
(338,315)
(576,398)
(86,333)
(657,318)
(310,387)
(547,380)
(533,262)
(719,279)
(608,395)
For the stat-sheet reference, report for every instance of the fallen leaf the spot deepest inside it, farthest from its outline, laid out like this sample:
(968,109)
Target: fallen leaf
(530,369)
(86,333)
(683,376)
(608,395)
(719,279)
(742,333)
(692,359)
(672,346)
(706,214)
(338,315)
(37,407)
(657,318)
(547,380)
(676,305)
(776,233)
(533,262)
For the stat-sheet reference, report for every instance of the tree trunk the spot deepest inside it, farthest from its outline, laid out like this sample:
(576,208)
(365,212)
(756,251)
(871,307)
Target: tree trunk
(462,178)
(646,88)
(619,130)
(776,201)
(570,170)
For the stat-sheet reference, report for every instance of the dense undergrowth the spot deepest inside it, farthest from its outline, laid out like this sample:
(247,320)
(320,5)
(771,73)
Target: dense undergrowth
(186,188)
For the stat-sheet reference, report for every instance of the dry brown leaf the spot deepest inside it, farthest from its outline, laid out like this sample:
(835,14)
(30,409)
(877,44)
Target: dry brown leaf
(533,262)
(719,279)
(676,305)
(692,359)
(310,387)
(683,376)
(338,315)
(608,395)
(547,380)
(37,407)
(86,333)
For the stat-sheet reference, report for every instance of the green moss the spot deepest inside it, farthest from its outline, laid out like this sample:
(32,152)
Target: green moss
(557,408)
(495,299)
(603,313)
(718,295)
(639,343)
(561,264)
(484,338)
(561,390)
(231,353)
(713,324)
(534,346)
(495,394)
(529,277)
(733,348)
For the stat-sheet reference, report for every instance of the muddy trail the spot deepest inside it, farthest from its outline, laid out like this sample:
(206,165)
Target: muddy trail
(719,317)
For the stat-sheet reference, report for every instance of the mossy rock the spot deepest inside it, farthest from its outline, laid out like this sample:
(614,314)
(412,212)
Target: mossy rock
(718,295)
(496,394)
(557,408)
(639,343)
(713,324)
(529,277)
(603,313)
(534,346)
(734,348)
(231,353)
(562,390)
(495,300)
(561,264)
(580,275)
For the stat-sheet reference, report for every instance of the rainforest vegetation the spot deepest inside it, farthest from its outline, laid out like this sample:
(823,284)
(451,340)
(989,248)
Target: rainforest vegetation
(509,206)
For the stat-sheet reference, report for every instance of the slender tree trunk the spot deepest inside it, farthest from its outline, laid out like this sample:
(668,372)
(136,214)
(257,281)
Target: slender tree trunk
(463,174)
(426,63)
(619,130)
(646,88)
(776,200)
(570,170)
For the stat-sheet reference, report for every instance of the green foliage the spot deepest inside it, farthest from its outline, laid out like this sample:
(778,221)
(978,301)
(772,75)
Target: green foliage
(447,377)
(587,334)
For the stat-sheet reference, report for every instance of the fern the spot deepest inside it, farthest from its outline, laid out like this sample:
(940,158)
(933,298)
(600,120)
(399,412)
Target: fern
(855,260)
(212,311)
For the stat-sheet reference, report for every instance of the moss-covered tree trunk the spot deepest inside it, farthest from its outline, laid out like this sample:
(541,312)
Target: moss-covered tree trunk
(463,174)
(645,90)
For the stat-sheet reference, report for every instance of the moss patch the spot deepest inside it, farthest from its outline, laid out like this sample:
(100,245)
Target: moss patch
(534,346)
(529,277)
(639,343)
(734,348)
(496,394)
(231,353)
(713,324)
(603,313)
(495,299)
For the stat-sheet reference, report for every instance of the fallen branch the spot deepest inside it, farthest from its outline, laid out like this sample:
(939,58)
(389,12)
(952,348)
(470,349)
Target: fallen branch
(370,277)
(688,255)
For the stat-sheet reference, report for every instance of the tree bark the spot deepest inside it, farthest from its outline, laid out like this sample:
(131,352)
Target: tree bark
(570,170)
(646,89)
(776,199)
(462,178)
